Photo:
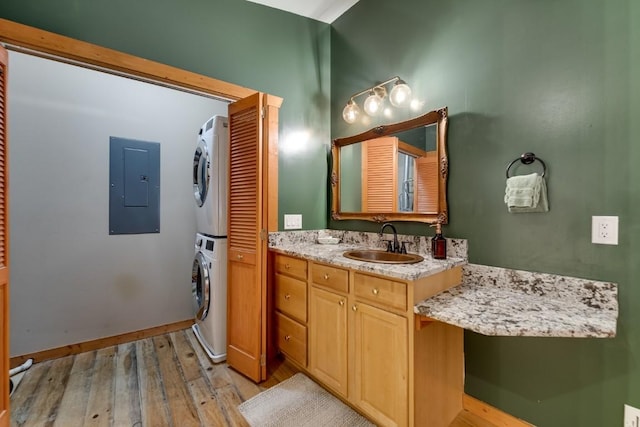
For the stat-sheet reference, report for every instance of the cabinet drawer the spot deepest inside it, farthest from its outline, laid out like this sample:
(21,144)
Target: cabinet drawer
(291,297)
(330,277)
(382,291)
(292,339)
(291,266)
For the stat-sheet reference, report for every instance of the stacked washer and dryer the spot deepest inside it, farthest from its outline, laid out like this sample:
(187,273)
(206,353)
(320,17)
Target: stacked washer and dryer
(209,272)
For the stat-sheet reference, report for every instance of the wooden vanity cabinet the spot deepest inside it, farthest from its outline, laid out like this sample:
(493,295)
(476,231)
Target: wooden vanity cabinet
(358,340)
(290,301)
(365,345)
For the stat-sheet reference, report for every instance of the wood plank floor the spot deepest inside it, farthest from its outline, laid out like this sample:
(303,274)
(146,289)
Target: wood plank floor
(165,380)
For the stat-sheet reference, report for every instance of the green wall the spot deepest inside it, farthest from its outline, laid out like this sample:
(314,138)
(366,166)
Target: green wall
(231,40)
(555,77)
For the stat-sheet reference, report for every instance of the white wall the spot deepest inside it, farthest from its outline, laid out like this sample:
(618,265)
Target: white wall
(70,280)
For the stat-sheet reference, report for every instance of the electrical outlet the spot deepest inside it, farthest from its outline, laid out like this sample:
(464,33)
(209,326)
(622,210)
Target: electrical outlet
(604,230)
(294,222)
(631,416)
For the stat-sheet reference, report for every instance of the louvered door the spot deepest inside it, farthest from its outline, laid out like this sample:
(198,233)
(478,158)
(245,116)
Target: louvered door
(379,177)
(426,189)
(253,128)
(4,246)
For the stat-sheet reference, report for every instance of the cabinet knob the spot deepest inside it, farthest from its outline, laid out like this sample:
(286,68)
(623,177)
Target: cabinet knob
(354,308)
(240,256)
(326,276)
(287,266)
(287,296)
(341,302)
(375,291)
(287,337)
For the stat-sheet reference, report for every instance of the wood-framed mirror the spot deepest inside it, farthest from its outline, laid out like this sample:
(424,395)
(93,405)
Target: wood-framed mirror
(395,172)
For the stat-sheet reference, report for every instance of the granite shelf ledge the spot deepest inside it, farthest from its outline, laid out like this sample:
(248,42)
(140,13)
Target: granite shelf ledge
(501,302)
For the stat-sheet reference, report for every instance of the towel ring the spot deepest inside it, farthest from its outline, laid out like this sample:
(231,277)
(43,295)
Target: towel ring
(527,159)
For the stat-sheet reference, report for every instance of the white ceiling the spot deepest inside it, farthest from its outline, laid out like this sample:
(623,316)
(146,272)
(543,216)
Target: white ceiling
(320,10)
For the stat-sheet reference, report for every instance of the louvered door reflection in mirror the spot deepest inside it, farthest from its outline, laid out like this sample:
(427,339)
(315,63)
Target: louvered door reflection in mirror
(379,177)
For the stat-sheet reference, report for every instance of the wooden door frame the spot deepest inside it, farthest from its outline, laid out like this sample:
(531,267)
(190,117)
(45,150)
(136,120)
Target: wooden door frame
(38,42)
(4,251)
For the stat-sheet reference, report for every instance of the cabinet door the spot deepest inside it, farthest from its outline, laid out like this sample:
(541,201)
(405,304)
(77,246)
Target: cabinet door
(4,243)
(252,144)
(381,365)
(328,338)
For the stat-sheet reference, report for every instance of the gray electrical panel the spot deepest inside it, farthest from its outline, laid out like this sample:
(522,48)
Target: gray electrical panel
(134,186)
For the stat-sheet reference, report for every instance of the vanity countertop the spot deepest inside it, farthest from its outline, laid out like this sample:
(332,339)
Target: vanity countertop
(332,254)
(502,302)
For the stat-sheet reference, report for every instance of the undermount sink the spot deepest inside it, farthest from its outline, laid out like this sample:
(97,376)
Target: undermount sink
(372,255)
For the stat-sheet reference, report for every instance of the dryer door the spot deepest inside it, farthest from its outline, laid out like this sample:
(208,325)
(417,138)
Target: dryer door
(201,173)
(200,286)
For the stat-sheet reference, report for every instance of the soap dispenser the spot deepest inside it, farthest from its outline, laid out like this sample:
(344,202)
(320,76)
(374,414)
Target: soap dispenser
(438,243)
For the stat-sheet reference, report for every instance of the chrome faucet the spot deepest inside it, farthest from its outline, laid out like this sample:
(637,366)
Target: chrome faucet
(395,245)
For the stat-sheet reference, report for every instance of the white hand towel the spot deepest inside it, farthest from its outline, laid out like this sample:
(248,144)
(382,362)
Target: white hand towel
(523,191)
(526,193)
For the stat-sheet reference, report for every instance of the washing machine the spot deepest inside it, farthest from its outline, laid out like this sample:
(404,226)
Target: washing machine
(210,170)
(209,295)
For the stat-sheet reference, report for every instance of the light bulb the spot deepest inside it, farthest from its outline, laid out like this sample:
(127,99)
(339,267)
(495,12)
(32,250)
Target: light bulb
(351,112)
(373,104)
(400,94)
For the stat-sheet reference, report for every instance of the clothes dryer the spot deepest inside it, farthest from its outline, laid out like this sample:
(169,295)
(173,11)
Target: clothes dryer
(210,170)
(209,295)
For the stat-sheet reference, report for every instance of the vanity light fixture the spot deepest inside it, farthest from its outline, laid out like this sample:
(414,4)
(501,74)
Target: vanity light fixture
(400,96)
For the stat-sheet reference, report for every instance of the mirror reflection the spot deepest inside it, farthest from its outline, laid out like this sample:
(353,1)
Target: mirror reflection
(393,172)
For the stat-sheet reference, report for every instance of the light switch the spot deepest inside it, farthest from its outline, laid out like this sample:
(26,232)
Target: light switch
(292,221)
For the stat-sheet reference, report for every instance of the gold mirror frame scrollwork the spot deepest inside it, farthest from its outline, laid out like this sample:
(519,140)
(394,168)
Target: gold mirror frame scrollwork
(438,117)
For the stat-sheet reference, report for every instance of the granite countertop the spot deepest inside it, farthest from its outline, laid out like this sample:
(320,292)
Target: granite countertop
(503,302)
(332,254)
